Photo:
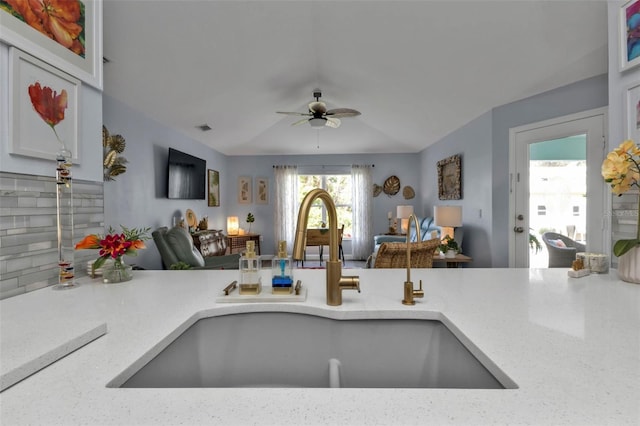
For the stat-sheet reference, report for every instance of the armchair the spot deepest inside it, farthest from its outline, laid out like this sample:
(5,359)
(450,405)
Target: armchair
(176,245)
(562,249)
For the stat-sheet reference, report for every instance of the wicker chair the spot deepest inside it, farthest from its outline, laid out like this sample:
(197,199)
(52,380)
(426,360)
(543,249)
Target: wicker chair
(561,255)
(394,255)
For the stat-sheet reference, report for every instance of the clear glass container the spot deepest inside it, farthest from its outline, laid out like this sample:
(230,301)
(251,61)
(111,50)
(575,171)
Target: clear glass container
(281,271)
(250,279)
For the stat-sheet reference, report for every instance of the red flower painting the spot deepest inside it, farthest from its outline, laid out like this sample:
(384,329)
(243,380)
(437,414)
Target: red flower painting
(48,104)
(60,20)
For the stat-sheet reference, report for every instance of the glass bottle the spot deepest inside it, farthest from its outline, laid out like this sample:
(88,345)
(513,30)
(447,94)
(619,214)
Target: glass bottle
(250,279)
(281,268)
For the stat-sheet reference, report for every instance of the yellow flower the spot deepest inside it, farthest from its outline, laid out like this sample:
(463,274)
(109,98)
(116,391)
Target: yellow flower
(621,170)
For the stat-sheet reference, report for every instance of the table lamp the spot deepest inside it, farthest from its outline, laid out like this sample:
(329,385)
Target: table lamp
(448,218)
(403,213)
(232,225)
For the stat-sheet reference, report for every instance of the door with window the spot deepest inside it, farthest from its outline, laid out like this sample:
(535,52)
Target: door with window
(555,185)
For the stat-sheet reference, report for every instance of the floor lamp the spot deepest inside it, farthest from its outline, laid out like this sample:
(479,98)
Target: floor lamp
(448,218)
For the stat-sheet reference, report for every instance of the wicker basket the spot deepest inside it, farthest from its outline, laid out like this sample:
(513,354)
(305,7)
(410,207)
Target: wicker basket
(394,255)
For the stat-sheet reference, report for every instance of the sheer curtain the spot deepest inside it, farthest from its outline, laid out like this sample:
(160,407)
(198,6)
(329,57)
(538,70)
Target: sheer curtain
(362,239)
(286,180)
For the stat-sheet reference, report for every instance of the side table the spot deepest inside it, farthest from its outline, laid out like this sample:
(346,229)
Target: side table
(239,242)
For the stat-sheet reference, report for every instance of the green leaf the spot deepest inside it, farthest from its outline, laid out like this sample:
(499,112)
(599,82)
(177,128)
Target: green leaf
(98,263)
(623,246)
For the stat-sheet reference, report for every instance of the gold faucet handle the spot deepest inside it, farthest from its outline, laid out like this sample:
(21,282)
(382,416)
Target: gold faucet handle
(419,292)
(350,282)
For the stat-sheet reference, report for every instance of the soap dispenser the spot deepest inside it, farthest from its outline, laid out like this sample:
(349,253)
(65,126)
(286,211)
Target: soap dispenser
(282,277)
(250,280)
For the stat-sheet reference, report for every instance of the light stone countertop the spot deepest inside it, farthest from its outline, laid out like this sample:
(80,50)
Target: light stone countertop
(571,345)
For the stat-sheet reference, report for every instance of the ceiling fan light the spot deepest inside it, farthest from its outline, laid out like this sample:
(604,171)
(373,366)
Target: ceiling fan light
(317,122)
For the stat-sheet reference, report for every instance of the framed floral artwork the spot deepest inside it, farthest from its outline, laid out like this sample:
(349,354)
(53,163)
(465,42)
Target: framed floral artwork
(68,37)
(629,32)
(45,110)
(213,191)
(262,190)
(449,178)
(632,112)
(244,190)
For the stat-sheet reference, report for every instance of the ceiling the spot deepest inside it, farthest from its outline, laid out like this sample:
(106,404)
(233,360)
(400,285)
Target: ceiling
(416,70)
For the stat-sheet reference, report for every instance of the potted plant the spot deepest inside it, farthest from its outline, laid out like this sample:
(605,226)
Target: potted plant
(449,247)
(250,220)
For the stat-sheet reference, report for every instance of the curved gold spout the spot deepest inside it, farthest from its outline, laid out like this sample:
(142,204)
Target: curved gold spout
(409,292)
(335,281)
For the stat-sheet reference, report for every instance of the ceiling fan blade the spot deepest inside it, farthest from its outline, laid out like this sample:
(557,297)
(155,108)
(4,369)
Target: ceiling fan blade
(332,122)
(299,122)
(318,106)
(342,112)
(293,113)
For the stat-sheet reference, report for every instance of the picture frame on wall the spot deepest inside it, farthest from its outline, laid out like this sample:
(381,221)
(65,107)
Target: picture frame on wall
(213,188)
(629,32)
(82,58)
(449,178)
(632,112)
(244,190)
(29,134)
(262,190)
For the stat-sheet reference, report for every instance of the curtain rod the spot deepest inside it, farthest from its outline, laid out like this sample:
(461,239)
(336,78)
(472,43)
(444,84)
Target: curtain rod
(324,165)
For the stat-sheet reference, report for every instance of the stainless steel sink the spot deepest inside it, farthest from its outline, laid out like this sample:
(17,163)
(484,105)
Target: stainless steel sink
(280,349)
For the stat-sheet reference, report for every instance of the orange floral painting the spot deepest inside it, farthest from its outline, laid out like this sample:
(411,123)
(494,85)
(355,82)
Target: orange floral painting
(61,20)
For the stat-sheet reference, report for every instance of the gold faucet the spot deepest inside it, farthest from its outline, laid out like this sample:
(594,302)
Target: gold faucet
(409,291)
(335,281)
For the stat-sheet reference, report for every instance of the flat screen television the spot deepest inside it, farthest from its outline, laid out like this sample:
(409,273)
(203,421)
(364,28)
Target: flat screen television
(186,176)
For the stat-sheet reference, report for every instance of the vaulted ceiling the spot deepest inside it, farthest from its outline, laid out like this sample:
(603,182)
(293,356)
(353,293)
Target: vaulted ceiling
(416,70)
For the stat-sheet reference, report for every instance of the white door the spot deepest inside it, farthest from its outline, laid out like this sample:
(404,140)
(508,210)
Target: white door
(584,197)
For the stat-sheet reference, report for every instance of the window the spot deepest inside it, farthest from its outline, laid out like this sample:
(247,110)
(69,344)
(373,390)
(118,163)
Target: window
(339,187)
(542,210)
(576,210)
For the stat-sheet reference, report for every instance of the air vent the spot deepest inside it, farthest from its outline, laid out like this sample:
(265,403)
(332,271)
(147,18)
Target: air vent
(204,127)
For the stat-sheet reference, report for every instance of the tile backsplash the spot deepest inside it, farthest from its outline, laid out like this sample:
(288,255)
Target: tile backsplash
(28,253)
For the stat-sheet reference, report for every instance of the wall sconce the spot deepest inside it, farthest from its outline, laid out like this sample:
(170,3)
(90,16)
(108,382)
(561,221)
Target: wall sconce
(448,218)
(403,213)
(232,225)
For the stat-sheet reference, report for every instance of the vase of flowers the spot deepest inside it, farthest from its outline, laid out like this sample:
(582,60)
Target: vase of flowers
(621,170)
(115,246)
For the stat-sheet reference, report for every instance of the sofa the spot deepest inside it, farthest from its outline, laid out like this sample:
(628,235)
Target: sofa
(176,245)
(427,226)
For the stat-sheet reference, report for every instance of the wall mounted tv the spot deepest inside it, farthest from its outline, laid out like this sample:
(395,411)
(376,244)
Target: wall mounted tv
(186,176)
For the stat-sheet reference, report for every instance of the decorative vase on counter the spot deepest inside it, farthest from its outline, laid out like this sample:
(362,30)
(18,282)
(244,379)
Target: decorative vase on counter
(629,266)
(117,272)
(450,254)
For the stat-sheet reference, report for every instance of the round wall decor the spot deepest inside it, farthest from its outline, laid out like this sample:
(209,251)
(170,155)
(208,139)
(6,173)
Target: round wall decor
(391,185)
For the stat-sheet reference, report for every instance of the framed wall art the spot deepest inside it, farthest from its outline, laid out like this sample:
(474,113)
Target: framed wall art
(213,188)
(244,190)
(449,178)
(29,133)
(72,42)
(629,33)
(262,190)
(632,112)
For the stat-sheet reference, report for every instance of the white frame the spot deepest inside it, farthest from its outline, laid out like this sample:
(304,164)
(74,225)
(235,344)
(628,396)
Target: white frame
(622,34)
(29,135)
(88,69)
(632,112)
(244,190)
(262,190)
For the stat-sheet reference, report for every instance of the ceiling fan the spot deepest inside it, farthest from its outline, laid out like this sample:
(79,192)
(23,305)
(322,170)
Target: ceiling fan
(318,115)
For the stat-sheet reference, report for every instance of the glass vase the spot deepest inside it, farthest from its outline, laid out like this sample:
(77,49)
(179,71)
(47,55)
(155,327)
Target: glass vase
(64,221)
(118,272)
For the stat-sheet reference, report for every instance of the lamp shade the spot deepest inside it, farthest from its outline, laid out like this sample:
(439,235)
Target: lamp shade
(232,225)
(450,216)
(403,212)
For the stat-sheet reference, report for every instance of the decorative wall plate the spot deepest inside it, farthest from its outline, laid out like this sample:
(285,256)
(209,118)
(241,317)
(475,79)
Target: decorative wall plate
(408,192)
(391,185)
(192,221)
